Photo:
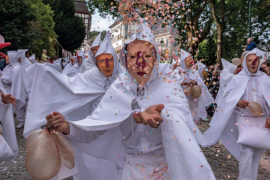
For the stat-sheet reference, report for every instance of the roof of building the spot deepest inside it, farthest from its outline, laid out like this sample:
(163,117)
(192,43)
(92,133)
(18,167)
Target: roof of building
(80,6)
(116,22)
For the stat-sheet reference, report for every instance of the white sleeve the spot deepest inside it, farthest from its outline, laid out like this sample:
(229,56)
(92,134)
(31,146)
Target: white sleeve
(8,77)
(82,135)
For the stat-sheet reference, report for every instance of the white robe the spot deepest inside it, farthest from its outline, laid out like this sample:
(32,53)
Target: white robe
(226,76)
(224,125)
(13,82)
(8,130)
(177,141)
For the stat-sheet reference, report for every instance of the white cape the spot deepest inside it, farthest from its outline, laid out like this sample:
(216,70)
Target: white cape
(226,76)
(8,126)
(224,119)
(179,132)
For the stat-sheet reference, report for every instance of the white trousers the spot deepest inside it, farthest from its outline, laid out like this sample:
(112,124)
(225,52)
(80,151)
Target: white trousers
(144,168)
(249,160)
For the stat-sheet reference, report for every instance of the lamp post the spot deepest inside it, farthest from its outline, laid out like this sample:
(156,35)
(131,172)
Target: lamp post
(249,18)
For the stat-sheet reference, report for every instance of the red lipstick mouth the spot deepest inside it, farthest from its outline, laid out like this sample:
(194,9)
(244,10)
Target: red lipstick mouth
(141,73)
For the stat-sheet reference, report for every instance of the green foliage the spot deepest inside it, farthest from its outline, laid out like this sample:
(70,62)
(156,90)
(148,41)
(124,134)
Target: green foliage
(93,35)
(44,26)
(104,7)
(207,50)
(68,27)
(15,18)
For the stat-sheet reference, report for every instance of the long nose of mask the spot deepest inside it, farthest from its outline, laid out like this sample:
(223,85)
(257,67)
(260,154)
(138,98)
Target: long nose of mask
(254,61)
(140,60)
(107,62)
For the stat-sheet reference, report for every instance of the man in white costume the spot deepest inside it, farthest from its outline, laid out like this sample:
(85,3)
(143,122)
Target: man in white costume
(25,63)
(55,65)
(153,150)
(8,141)
(188,77)
(12,79)
(75,97)
(240,127)
(89,62)
(72,68)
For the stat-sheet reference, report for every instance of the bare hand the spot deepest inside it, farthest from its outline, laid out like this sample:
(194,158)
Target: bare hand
(267,124)
(150,116)
(8,99)
(58,122)
(242,104)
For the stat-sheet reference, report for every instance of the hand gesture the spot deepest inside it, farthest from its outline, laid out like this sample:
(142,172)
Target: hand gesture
(267,124)
(150,116)
(58,122)
(8,99)
(242,104)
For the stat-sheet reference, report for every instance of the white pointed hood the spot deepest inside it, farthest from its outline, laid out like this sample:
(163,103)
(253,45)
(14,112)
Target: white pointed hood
(143,33)
(25,63)
(81,54)
(107,48)
(33,58)
(227,65)
(257,52)
(97,41)
(201,67)
(184,55)
(13,56)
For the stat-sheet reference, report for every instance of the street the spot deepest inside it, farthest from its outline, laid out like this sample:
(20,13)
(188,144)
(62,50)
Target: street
(223,164)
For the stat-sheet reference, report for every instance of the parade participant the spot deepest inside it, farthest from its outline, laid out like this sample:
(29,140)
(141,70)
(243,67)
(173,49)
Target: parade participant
(73,70)
(25,63)
(55,64)
(265,66)
(89,62)
(8,141)
(32,58)
(188,78)
(68,70)
(85,92)
(12,79)
(133,104)
(237,124)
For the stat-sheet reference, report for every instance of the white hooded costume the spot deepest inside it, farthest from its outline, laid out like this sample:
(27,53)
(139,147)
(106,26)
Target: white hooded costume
(226,76)
(12,79)
(241,132)
(198,105)
(71,69)
(75,97)
(56,65)
(33,58)
(201,68)
(8,141)
(89,63)
(169,152)
(25,63)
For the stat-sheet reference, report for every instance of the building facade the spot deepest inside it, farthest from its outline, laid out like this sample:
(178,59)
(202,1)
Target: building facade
(121,32)
(82,12)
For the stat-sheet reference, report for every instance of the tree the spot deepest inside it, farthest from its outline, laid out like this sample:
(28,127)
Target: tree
(207,50)
(94,34)
(68,27)
(44,26)
(15,18)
